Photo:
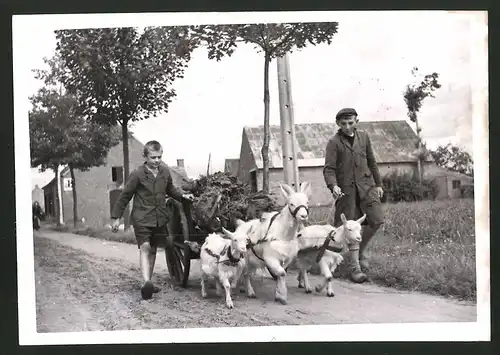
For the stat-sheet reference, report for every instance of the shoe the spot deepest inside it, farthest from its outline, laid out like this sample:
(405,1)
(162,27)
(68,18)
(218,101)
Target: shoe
(357,276)
(156,289)
(147,290)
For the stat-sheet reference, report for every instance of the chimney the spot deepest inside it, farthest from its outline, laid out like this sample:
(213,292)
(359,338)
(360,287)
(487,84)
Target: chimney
(180,163)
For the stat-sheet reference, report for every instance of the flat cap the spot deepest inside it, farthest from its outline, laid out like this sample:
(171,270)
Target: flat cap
(346,112)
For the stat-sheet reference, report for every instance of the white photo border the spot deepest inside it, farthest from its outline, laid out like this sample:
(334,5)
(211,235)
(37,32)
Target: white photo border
(473,331)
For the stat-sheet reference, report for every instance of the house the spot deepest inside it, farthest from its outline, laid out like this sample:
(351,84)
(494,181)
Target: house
(451,184)
(231,166)
(394,145)
(37,195)
(98,188)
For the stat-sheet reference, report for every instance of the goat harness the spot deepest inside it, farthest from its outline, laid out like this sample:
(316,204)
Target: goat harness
(230,261)
(326,246)
(250,245)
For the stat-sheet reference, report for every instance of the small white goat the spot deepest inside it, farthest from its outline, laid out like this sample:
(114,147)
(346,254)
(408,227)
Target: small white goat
(321,244)
(222,257)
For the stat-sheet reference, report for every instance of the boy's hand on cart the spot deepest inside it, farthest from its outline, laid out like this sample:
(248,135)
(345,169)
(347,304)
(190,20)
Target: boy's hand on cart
(115,225)
(189,197)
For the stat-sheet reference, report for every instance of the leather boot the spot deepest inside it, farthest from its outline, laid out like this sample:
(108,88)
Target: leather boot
(363,261)
(367,234)
(357,275)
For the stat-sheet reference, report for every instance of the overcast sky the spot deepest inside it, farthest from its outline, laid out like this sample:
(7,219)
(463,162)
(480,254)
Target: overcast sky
(366,67)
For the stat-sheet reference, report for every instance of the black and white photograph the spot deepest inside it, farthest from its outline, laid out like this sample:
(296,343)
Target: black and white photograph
(252,177)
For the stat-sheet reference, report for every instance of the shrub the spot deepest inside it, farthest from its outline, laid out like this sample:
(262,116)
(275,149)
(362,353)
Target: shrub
(467,191)
(405,187)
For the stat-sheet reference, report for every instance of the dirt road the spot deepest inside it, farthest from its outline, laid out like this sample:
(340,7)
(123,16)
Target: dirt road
(84,283)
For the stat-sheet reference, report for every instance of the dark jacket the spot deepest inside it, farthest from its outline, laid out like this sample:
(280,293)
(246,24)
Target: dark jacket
(149,193)
(347,166)
(37,210)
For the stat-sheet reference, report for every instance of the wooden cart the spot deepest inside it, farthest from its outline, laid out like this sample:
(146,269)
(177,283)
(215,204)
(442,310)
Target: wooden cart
(184,238)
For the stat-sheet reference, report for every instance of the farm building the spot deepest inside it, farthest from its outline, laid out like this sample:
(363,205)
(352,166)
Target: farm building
(451,183)
(98,188)
(393,143)
(37,195)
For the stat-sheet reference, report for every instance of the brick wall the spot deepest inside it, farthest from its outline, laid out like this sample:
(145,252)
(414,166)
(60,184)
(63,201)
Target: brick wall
(93,187)
(320,194)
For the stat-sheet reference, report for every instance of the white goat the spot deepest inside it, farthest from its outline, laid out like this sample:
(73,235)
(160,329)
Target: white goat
(273,239)
(222,257)
(321,245)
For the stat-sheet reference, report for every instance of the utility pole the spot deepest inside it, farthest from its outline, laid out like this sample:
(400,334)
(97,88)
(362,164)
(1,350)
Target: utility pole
(209,161)
(287,125)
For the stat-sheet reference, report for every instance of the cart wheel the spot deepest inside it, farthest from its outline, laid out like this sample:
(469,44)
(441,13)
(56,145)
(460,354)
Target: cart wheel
(187,264)
(174,264)
(183,255)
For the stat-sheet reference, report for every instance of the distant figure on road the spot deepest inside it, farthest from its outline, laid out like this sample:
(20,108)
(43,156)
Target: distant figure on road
(37,214)
(352,175)
(148,184)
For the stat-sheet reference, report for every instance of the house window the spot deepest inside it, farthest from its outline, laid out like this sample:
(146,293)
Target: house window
(117,174)
(67,184)
(253,180)
(455,184)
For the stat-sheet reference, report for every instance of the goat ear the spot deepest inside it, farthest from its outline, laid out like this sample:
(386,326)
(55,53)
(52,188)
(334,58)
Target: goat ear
(238,222)
(361,219)
(287,190)
(306,187)
(342,217)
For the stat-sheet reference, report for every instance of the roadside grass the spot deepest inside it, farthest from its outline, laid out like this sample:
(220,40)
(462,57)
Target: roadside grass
(426,246)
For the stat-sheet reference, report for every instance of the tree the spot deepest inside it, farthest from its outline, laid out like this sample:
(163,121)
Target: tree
(273,40)
(414,96)
(59,136)
(121,75)
(454,158)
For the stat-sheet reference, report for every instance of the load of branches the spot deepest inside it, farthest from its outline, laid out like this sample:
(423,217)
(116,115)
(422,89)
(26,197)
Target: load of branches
(224,196)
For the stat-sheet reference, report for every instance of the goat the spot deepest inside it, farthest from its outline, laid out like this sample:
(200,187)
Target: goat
(314,247)
(222,256)
(273,240)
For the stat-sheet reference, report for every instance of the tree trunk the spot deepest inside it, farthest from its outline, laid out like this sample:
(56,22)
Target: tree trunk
(60,216)
(267,135)
(419,157)
(56,200)
(75,202)
(126,167)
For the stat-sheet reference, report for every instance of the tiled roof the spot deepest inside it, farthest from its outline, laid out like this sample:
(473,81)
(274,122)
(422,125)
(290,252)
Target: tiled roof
(392,141)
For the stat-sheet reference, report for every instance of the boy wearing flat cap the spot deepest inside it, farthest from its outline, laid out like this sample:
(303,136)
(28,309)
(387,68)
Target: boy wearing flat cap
(352,175)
